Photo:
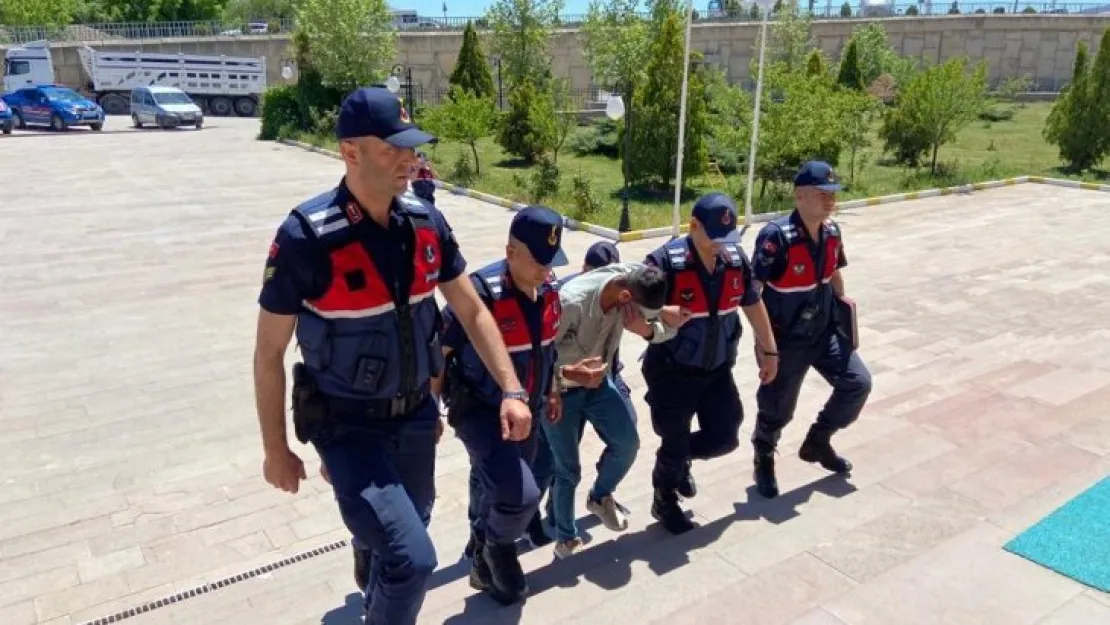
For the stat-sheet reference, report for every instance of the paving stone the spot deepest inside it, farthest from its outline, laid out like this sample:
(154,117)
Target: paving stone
(132,461)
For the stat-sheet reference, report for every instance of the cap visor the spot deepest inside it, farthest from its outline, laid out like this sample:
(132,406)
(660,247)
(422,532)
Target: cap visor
(411,138)
(559,260)
(732,236)
(829,187)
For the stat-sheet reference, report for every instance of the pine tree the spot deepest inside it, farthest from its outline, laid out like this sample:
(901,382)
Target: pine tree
(1099,98)
(815,65)
(1068,126)
(471,69)
(850,76)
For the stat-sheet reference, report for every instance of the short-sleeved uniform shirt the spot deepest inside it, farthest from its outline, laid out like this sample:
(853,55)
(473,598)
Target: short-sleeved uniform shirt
(298,267)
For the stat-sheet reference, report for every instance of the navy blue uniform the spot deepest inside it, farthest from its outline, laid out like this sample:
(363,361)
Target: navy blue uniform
(507,495)
(368,331)
(692,373)
(796,272)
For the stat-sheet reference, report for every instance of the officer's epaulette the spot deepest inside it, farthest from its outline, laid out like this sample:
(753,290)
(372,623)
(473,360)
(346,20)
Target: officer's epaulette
(732,254)
(675,250)
(787,228)
(834,228)
(492,275)
(412,204)
(322,215)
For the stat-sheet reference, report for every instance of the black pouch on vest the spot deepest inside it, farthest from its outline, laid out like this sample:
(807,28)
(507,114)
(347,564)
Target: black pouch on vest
(309,410)
(844,315)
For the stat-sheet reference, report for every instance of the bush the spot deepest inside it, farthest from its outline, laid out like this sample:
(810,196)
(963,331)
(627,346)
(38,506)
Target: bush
(545,180)
(529,126)
(586,204)
(602,139)
(912,10)
(463,173)
(1029,10)
(281,112)
(845,10)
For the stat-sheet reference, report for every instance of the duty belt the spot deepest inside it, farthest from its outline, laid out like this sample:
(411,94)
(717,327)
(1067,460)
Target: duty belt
(399,406)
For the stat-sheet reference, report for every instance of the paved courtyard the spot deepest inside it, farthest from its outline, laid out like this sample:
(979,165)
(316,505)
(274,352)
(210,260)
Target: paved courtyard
(130,459)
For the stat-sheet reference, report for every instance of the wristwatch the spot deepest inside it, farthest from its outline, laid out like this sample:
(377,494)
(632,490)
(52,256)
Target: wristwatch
(520,395)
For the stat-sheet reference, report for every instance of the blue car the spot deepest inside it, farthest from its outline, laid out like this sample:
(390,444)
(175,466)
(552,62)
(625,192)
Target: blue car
(55,106)
(7,120)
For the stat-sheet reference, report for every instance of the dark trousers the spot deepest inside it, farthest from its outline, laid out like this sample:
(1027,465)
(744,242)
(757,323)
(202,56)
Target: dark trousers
(675,396)
(383,475)
(841,367)
(503,492)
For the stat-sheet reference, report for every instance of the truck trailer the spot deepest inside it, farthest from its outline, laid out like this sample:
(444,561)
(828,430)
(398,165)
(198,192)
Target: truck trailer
(220,85)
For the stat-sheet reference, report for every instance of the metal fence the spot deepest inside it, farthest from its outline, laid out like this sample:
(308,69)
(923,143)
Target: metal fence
(820,9)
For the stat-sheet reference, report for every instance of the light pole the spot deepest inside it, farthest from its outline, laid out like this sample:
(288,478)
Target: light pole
(500,93)
(682,120)
(766,6)
(614,110)
(393,83)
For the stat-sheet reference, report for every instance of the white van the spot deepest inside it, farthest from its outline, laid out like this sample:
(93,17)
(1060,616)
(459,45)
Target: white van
(166,107)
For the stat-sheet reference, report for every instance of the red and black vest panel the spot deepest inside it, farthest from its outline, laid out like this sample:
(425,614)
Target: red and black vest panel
(708,340)
(799,301)
(533,357)
(355,339)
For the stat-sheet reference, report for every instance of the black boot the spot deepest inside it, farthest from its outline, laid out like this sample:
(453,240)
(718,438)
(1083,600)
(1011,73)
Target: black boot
(666,510)
(471,546)
(817,448)
(764,471)
(362,568)
(687,488)
(537,533)
(480,578)
(507,584)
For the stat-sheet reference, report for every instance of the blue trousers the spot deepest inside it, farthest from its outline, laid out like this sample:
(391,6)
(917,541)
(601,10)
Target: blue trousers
(675,396)
(842,369)
(383,475)
(613,418)
(503,492)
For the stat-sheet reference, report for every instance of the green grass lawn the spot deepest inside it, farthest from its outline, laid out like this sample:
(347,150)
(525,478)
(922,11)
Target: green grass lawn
(983,151)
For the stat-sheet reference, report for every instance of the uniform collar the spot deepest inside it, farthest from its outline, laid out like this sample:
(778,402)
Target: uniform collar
(800,226)
(346,200)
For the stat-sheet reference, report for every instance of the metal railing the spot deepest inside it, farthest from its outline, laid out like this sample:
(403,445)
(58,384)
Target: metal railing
(820,9)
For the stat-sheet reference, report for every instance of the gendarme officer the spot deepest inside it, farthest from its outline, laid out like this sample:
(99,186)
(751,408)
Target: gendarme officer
(798,260)
(710,280)
(521,292)
(354,272)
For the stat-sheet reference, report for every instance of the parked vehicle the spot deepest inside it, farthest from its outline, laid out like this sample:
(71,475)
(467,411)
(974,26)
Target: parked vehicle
(7,120)
(165,107)
(55,106)
(220,85)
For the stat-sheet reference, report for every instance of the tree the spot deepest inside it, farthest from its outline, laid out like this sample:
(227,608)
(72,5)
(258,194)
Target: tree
(521,30)
(815,65)
(246,10)
(850,76)
(729,124)
(655,138)
(932,109)
(1069,124)
(150,10)
(529,127)
(352,41)
(876,57)
(1099,97)
(566,117)
(790,41)
(37,12)
(464,118)
(471,69)
(616,42)
(859,111)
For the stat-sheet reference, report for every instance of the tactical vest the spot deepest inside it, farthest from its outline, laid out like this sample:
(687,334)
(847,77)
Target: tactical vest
(356,341)
(533,357)
(709,338)
(799,302)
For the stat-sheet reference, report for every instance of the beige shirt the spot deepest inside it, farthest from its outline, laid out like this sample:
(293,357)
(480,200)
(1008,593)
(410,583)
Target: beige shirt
(585,330)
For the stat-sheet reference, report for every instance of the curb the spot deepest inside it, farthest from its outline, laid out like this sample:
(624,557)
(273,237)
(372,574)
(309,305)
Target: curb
(639,235)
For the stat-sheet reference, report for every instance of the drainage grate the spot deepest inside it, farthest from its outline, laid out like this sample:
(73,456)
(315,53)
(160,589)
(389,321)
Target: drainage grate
(204,589)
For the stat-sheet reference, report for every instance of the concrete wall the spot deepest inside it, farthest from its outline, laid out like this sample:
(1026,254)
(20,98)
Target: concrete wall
(1041,46)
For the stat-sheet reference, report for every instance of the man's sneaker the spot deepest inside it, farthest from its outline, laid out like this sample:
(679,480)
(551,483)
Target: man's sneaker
(609,511)
(687,488)
(567,548)
(536,533)
(665,509)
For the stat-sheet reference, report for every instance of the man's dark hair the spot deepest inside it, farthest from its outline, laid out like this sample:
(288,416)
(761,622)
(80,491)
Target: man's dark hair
(648,286)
